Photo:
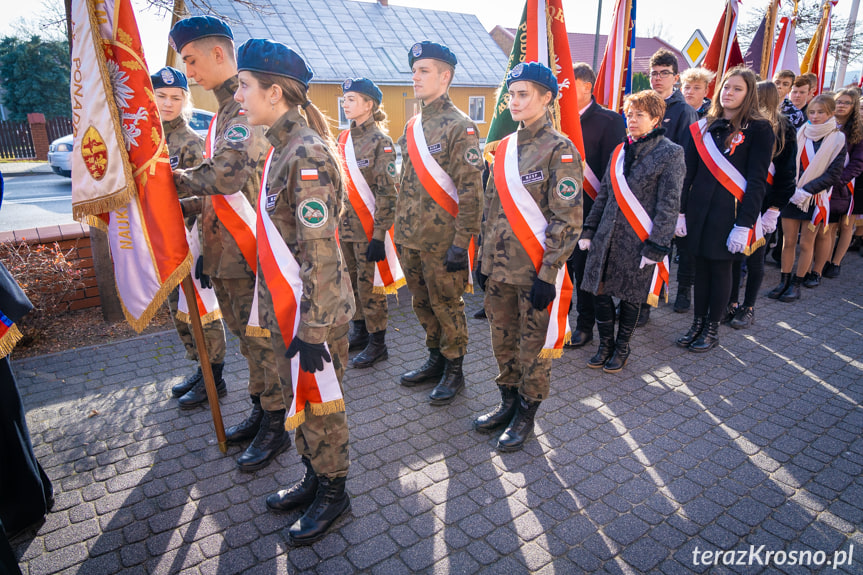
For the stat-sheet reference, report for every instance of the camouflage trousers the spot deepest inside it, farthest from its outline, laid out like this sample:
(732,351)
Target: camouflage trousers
(371,307)
(214,333)
(235,297)
(437,300)
(517,336)
(323,439)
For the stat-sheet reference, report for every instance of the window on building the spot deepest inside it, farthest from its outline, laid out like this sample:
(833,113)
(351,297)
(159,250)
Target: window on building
(343,121)
(476,109)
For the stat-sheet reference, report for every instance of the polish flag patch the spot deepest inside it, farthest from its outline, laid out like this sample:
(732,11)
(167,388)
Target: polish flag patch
(242,112)
(471,131)
(388,149)
(566,158)
(313,174)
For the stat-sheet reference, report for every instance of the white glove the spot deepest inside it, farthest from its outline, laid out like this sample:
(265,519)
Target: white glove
(769,220)
(737,240)
(584,244)
(800,197)
(646,262)
(680,229)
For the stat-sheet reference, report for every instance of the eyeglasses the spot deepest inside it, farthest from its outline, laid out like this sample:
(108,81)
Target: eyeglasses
(844,103)
(661,73)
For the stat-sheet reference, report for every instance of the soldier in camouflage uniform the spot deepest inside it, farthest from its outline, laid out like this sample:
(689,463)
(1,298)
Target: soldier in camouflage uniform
(305,199)
(375,159)
(207,48)
(186,149)
(433,244)
(517,298)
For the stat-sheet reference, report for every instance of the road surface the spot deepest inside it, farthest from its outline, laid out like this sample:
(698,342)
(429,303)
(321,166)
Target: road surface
(35,201)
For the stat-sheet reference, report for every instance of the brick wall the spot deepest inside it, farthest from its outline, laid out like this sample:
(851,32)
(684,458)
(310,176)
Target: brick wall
(75,237)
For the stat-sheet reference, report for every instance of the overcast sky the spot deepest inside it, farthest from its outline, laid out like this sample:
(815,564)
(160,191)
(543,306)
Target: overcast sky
(672,20)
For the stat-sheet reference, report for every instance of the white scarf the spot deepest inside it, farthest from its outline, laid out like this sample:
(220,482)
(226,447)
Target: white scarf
(833,140)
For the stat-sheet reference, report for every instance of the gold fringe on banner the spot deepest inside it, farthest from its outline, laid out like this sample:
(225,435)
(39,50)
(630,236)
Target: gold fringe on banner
(138,324)
(9,340)
(257,331)
(758,243)
(319,409)
(205,319)
(390,289)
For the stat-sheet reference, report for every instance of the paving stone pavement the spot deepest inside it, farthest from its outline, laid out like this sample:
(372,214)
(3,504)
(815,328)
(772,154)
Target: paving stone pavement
(756,443)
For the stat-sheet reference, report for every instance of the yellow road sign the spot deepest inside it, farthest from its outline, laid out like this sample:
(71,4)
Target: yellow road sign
(695,48)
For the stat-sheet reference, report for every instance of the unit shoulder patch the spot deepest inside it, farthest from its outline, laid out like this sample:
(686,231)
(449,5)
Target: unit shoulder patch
(237,133)
(567,188)
(473,157)
(313,212)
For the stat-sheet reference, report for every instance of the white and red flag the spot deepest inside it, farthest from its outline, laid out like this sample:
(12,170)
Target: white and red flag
(121,174)
(724,51)
(815,59)
(785,50)
(614,78)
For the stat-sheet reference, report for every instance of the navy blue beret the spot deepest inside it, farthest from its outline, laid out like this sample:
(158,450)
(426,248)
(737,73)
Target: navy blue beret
(426,49)
(191,29)
(169,77)
(259,55)
(536,73)
(363,86)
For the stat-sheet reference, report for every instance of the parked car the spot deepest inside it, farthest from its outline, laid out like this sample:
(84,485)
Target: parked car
(60,150)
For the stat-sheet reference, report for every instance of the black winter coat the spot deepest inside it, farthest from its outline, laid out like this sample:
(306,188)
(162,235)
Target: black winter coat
(711,210)
(784,180)
(678,116)
(603,130)
(654,169)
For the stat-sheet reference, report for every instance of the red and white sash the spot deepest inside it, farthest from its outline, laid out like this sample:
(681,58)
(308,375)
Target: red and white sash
(591,182)
(850,186)
(435,180)
(640,222)
(238,216)
(727,175)
(389,276)
(281,271)
(529,224)
(771,173)
(821,215)
(208,304)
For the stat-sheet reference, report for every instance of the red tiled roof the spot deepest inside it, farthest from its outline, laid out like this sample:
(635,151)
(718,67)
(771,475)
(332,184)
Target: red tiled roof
(581,48)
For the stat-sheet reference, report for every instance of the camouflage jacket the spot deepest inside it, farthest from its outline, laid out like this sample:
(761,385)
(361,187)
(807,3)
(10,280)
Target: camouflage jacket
(305,198)
(556,187)
(422,224)
(376,159)
(235,165)
(185,149)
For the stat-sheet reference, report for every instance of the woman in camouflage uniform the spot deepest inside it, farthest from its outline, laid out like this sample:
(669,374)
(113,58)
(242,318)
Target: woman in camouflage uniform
(375,161)
(186,149)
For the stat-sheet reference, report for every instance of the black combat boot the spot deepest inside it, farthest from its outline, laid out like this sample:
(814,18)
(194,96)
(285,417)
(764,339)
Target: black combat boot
(514,436)
(792,293)
(629,313)
(329,503)
(784,282)
(248,428)
(684,299)
(198,394)
(502,415)
(375,351)
(430,371)
(606,344)
(708,339)
(580,337)
(744,317)
(270,441)
(694,331)
(450,384)
(813,280)
(182,388)
(297,495)
(358,337)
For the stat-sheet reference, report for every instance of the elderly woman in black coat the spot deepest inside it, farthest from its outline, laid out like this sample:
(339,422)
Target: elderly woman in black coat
(726,177)
(629,229)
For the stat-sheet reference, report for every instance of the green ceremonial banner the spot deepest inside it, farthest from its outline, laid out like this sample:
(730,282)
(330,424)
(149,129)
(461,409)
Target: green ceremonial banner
(502,123)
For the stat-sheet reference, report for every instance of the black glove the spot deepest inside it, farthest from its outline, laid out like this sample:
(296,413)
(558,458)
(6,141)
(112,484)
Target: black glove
(541,294)
(456,259)
(312,355)
(376,251)
(200,275)
(480,279)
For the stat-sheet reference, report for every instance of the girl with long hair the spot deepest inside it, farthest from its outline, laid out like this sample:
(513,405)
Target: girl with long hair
(780,188)
(846,203)
(727,164)
(820,157)
(300,268)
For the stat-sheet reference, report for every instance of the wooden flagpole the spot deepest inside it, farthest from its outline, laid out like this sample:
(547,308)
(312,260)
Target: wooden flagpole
(621,81)
(204,358)
(720,68)
(769,28)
